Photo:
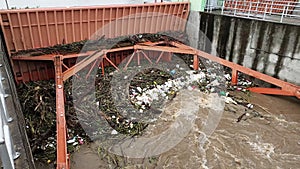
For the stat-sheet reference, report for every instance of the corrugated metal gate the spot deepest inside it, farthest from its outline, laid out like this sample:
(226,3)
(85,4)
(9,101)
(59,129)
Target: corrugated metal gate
(28,29)
(36,28)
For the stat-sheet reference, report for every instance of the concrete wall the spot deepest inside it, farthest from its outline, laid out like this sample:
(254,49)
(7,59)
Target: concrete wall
(271,48)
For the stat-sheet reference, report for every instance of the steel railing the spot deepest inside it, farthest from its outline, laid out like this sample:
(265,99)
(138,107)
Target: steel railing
(275,10)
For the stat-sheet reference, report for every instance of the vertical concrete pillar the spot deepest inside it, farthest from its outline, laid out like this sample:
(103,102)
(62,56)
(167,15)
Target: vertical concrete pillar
(193,28)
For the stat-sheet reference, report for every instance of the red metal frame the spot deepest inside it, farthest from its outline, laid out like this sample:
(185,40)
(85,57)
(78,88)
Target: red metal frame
(62,157)
(92,57)
(285,88)
(28,29)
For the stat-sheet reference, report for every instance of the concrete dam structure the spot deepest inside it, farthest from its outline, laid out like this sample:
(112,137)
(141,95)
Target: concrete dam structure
(268,47)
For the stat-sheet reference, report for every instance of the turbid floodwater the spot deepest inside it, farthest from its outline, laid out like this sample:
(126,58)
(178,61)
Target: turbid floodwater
(267,136)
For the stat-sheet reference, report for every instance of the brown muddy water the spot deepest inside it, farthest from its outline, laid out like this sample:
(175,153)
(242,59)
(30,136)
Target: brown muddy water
(268,136)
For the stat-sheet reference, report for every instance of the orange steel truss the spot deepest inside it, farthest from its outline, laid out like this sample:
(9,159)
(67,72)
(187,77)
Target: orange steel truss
(91,58)
(61,141)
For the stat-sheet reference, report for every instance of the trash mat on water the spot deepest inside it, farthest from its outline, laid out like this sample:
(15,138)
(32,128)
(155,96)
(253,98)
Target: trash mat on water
(146,89)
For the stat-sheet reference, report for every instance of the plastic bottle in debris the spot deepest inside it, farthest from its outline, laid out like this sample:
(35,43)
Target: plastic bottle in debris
(224,93)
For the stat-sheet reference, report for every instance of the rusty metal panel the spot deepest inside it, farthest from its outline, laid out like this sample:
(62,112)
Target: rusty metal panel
(26,71)
(36,28)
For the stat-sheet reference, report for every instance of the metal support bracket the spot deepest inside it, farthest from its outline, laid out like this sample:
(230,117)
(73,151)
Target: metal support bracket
(62,156)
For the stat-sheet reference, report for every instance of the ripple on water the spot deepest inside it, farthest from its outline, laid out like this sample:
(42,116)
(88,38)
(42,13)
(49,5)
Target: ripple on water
(268,142)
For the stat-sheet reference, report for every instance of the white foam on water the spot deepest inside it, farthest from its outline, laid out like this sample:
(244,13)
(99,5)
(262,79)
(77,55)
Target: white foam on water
(266,149)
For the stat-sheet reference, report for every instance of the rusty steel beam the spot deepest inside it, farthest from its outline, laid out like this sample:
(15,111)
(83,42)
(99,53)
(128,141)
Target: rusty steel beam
(234,76)
(86,61)
(175,47)
(76,55)
(287,88)
(61,129)
(196,62)
(145,55)
(129,60)
(152,43)
(91,69)
(109,61)
(83,63)
(166,49)
(272,91)
(159,57)
(31,68)
(34,58)
(51,56)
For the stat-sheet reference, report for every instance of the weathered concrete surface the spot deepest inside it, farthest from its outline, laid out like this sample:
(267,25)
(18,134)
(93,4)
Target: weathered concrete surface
(271,48)
(193,28)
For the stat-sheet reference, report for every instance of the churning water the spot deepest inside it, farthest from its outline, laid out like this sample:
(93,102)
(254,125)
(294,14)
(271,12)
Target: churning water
(266,137)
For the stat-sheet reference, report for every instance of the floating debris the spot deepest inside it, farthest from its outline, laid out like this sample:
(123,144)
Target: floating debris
(38,104)
(105,43)
(114,132)
(249,115)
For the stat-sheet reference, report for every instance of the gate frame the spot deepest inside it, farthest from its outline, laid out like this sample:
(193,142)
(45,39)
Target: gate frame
(285,88)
